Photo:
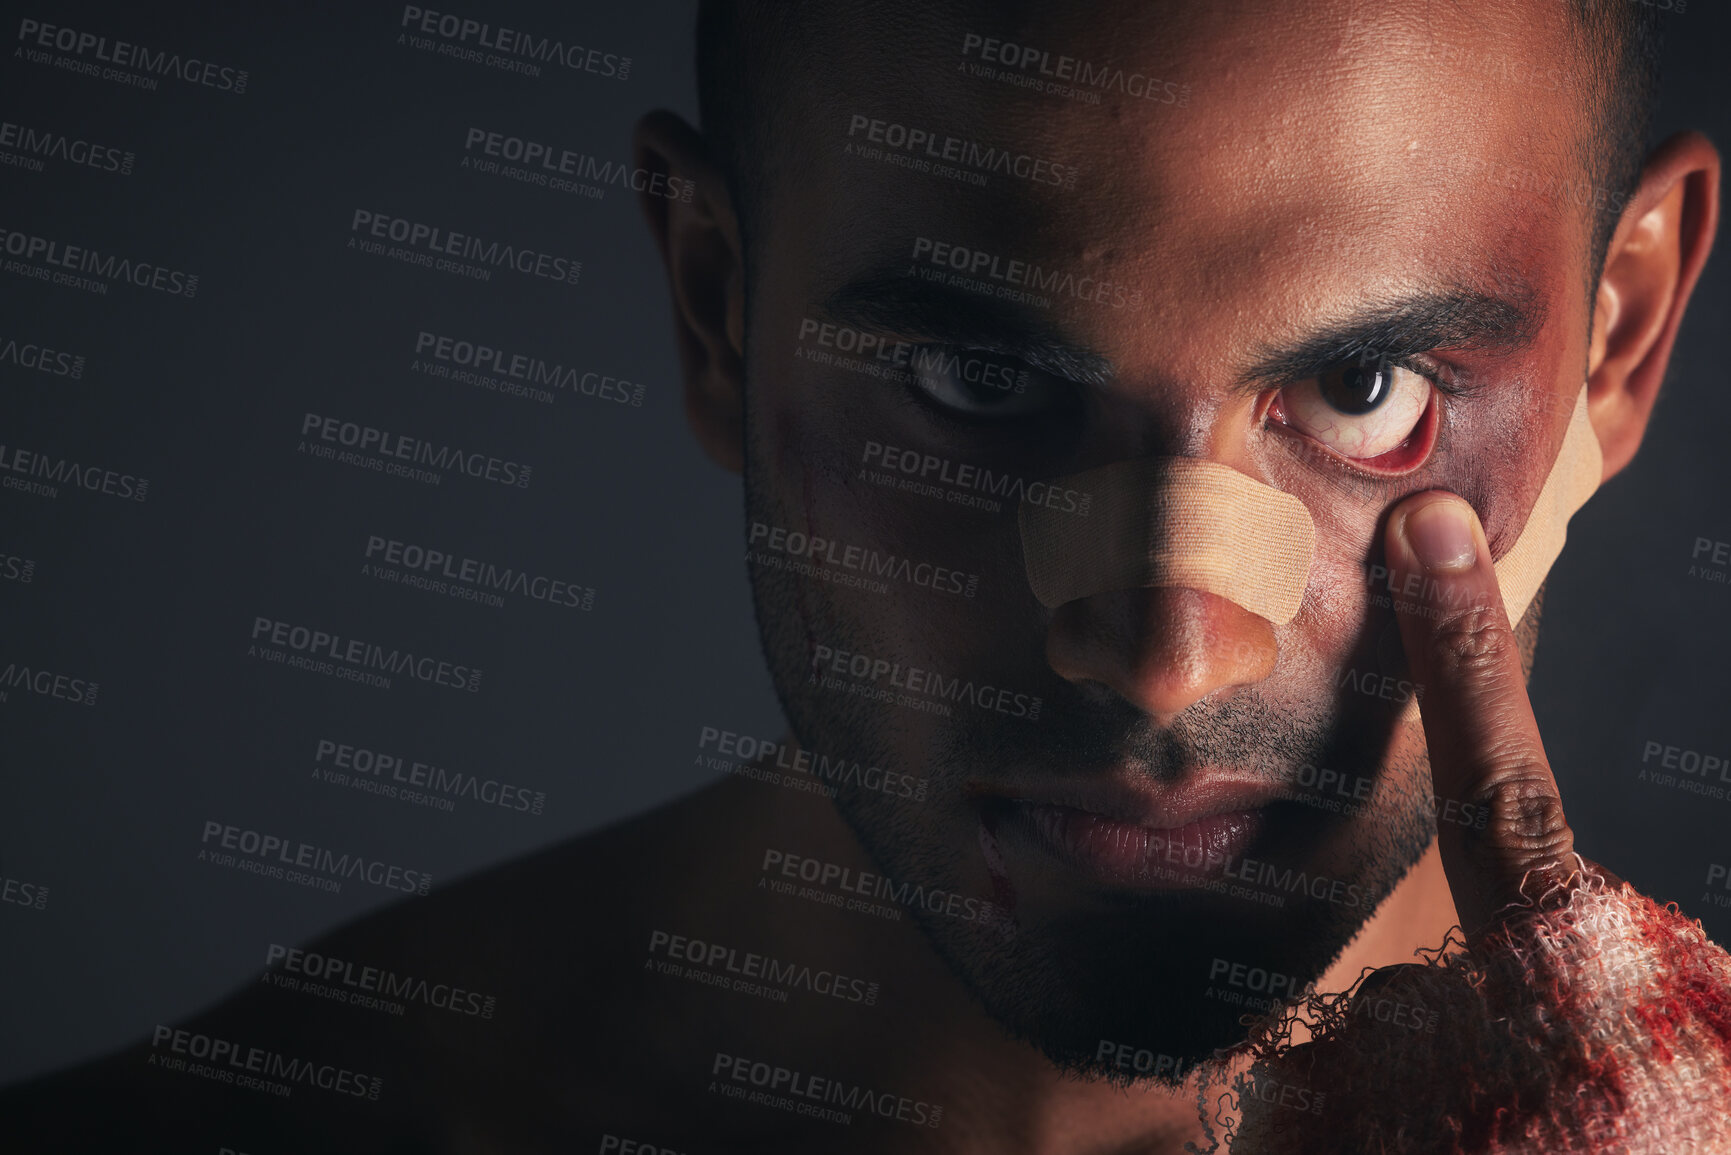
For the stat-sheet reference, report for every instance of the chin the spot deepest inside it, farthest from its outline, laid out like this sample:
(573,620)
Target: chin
(1142,996)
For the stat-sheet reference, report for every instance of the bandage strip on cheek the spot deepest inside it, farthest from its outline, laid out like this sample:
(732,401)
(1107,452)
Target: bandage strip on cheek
(1572,480)
(1205,526)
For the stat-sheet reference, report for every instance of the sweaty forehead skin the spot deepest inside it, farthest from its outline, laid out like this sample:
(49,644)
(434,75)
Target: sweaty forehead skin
(765,69)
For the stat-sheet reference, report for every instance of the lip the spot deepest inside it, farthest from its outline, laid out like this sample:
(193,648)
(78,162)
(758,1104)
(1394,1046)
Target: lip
(1124,836)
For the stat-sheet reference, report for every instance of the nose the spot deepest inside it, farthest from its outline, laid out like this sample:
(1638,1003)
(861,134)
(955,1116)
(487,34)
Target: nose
(1162,649)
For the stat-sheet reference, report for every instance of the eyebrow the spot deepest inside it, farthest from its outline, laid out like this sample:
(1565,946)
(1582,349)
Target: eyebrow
(1455,318)
(1418,322)
(938,312)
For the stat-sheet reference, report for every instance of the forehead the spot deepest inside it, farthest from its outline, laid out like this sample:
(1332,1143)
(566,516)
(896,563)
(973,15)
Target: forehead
(1229,153)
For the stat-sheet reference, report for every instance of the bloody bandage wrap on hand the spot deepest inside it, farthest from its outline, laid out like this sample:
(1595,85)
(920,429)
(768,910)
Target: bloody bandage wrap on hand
(1588,1021)
(1205,526)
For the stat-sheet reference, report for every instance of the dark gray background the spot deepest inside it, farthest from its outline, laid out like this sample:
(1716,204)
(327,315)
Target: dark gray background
(600,710)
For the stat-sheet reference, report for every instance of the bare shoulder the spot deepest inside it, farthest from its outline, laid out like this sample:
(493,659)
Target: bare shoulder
(496,1012)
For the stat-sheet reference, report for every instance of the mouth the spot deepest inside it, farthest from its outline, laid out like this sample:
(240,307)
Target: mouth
(1130,837)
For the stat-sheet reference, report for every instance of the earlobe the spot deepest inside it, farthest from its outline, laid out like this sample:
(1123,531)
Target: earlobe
(1651,267)
(697,233)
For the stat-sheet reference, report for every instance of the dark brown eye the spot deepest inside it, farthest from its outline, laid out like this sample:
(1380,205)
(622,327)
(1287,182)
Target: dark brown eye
(1356,389)
(982,385)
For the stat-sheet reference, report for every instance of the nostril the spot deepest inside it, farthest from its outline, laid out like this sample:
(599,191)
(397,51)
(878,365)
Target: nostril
(1162,649)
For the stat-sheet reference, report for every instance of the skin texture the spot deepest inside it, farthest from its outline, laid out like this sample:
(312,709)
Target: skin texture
(1313,173)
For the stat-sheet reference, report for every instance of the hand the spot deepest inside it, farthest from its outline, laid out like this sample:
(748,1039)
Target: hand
(1484,742)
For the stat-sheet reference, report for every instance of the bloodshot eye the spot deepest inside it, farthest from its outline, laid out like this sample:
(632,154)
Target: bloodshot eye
(1361,411)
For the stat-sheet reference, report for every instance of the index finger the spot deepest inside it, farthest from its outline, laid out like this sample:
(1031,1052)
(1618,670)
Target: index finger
(1484,742)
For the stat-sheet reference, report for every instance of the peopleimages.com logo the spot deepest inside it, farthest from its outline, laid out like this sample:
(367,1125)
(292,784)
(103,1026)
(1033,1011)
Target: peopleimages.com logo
(508,49)
(269,854)
(145,62)
(319,648)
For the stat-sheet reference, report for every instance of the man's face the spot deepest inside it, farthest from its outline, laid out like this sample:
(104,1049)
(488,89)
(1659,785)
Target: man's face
(1311,241)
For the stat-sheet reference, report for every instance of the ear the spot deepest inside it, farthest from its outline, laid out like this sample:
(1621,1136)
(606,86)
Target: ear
(697,232)
(1651,266)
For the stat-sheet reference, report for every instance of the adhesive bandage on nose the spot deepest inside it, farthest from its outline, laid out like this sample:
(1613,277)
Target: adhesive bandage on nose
(1173,522)
(1205,526)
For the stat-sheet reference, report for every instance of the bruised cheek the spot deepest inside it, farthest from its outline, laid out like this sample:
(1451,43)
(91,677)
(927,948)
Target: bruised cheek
(1341,598)
(1336,626)
(1509,451)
